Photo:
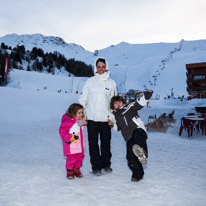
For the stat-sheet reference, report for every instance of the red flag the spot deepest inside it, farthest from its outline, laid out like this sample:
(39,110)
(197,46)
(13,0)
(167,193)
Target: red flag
(6,65)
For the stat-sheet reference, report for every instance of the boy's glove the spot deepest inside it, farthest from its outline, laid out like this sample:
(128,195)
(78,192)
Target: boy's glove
(81,122)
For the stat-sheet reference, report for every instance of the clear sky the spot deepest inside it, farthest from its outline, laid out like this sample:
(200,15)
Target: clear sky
(96,24)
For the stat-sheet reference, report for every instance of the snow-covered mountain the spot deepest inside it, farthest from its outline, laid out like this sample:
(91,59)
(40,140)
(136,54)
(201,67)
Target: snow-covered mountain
(158,66)
(48,44)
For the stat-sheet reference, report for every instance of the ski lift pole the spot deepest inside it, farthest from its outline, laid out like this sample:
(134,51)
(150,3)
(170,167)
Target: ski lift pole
(72,84)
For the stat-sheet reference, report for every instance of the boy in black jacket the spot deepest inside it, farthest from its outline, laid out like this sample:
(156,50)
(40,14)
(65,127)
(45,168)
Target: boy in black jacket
(133,131)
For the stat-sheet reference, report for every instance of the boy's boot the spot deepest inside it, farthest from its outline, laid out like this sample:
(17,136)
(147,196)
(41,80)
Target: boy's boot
(77,172)
(70,174)
(139,153)
(136,179)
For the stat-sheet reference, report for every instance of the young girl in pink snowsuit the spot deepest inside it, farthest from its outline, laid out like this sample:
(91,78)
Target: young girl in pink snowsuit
(72,133)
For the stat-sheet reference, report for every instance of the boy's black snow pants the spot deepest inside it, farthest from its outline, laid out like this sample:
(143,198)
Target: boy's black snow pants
(139,137)
(100,157)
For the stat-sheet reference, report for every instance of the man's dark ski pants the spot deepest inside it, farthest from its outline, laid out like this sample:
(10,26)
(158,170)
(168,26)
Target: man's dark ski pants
(99,159)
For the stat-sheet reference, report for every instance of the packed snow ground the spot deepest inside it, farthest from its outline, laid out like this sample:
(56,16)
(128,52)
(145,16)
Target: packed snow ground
(33,167)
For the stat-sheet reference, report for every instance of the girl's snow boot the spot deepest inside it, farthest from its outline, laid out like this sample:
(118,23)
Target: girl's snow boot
(70,174)
(77,172)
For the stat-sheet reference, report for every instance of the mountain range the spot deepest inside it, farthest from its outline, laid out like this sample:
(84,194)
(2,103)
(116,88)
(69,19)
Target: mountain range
(157,66)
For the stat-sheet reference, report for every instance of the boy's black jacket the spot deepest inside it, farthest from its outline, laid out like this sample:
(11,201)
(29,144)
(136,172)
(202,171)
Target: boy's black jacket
(124,116)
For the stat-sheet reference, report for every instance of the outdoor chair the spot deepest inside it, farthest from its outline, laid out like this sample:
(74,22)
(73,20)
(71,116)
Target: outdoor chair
(186,124)
(171,118)
(203,127)
(151,118)
(160,124)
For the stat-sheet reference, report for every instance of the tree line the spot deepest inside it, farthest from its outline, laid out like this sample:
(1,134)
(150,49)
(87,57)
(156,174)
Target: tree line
(38,60)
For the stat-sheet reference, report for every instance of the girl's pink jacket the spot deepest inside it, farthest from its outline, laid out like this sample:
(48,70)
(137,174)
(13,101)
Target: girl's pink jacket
(67,128)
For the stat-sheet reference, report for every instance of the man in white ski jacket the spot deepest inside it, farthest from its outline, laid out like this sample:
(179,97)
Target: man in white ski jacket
(97,93)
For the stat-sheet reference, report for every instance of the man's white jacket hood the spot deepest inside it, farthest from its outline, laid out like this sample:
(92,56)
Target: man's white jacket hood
(96,95)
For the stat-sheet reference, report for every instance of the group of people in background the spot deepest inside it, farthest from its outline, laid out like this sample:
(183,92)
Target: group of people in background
(100,108)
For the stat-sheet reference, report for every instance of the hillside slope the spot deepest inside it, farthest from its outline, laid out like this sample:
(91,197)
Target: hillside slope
(158,66)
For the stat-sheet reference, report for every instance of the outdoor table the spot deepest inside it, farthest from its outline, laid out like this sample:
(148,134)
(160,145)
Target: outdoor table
(192,123)
(195,122)
(192,116)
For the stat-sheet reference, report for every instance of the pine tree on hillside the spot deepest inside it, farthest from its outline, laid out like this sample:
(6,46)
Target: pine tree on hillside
(28,67)
(3,46)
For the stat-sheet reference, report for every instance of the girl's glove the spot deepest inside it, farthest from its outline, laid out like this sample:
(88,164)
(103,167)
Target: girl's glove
(80,122)
(75,138)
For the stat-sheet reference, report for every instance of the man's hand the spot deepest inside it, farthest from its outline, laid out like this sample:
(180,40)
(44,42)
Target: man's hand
(110,123)
(149,90)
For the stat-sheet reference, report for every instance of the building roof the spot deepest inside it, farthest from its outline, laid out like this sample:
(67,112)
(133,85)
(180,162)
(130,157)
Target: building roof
(196,65)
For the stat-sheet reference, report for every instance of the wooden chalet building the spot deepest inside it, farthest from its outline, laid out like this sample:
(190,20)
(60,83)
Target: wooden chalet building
(196,80)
